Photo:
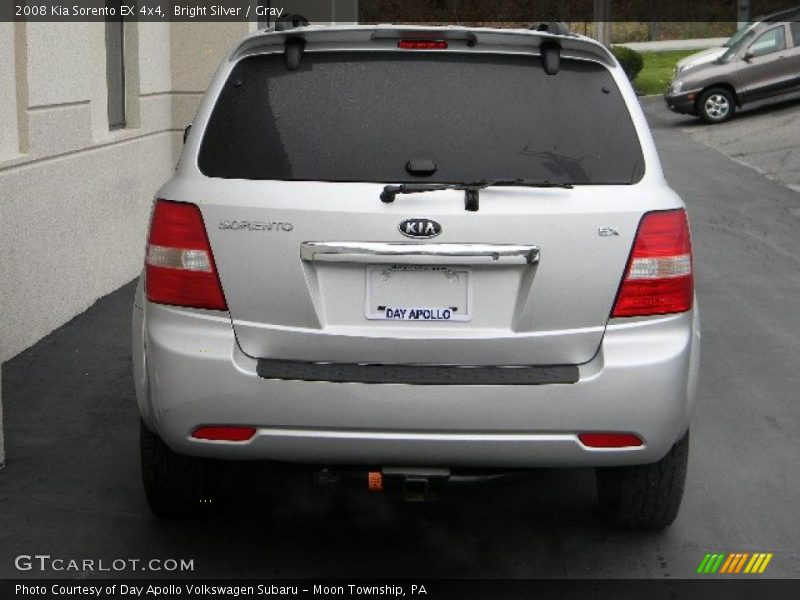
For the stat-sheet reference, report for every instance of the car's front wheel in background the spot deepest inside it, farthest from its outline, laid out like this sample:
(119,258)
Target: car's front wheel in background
(174,484)
(645,496)
(716,105)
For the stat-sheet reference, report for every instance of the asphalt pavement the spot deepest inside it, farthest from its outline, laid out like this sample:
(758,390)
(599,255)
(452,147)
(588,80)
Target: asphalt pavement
(71,488)
(765,136)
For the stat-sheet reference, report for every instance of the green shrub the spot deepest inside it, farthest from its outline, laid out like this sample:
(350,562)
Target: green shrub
(630,60)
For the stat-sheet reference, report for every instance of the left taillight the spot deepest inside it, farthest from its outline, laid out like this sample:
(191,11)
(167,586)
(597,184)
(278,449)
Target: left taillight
(179,265)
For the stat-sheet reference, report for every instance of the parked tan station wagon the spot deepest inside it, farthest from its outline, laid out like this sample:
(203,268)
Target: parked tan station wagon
(764,63)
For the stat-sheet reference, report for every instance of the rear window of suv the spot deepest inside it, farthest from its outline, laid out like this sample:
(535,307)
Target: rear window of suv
(361,116)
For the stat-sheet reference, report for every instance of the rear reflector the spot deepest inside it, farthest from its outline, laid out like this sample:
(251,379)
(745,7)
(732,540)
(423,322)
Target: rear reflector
(658,279)
(422,44)
(179,266)
(609,440)
(225,434)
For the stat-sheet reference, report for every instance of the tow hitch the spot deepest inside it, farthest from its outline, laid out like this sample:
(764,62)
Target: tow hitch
(411,484)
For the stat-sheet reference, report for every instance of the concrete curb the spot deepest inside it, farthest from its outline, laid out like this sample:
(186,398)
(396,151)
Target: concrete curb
(670,45)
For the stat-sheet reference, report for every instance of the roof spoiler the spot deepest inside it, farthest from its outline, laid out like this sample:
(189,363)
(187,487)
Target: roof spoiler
(554,46)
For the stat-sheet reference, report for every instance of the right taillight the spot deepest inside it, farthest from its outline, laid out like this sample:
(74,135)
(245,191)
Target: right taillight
(179,266)
(658,278)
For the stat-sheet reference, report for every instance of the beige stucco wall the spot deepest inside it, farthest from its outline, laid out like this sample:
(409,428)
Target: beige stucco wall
(75,196)
(9,133)
(74,202)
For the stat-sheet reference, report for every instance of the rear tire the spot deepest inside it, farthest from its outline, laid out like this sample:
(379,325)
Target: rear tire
(645,496)
(174,484)
(716,105)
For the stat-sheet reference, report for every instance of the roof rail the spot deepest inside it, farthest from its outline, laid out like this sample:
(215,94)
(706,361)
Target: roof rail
(293,52)
(554,27)
(551,50)
(290,21)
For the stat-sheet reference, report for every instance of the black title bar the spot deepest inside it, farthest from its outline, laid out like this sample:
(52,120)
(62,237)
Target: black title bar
(472,12)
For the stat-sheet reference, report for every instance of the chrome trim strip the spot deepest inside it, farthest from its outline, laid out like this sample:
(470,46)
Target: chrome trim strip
(378,252)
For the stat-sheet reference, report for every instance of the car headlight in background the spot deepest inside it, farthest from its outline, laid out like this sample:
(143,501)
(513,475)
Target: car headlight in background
(676,86)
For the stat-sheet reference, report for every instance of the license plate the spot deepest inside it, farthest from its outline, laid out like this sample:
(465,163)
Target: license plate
(419,293)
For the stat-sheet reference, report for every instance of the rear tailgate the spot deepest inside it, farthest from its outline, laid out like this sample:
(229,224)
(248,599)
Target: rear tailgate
(552,311)
(292,160)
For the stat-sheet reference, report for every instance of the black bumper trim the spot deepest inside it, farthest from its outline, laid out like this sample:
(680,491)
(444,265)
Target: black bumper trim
(416,374)
(681,104)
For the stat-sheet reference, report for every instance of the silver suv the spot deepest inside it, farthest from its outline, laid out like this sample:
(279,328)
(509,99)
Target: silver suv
(415,253)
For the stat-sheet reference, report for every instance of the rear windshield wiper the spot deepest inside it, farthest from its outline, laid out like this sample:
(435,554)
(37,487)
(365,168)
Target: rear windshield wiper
(471,189)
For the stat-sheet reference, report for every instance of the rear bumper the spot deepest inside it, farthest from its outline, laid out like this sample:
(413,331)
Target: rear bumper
(190,372)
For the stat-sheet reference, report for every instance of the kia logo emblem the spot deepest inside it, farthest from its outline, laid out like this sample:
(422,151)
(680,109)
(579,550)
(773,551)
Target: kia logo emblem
(420,228)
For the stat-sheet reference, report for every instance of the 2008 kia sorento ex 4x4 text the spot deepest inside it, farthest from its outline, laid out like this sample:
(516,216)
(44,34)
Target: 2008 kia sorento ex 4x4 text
(415,251)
